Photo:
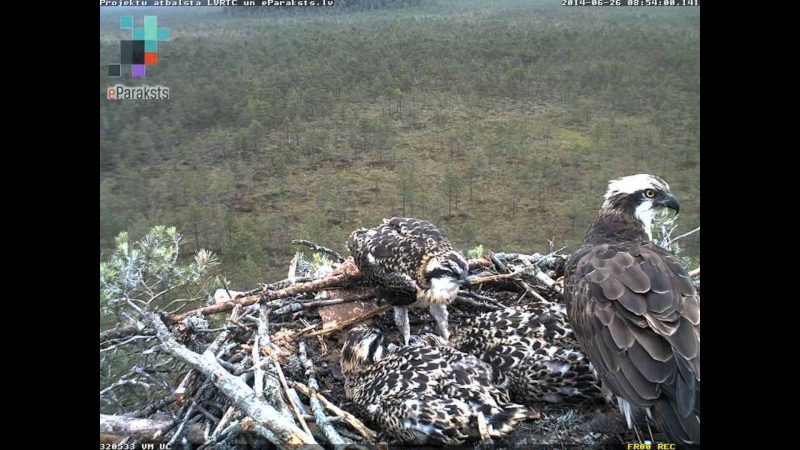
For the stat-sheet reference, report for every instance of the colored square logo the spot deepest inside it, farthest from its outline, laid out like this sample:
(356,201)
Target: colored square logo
(141,49)
(137,70)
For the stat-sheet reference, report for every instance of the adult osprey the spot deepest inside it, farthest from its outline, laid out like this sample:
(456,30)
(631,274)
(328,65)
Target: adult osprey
(635,310)
(425,392)
(411,263)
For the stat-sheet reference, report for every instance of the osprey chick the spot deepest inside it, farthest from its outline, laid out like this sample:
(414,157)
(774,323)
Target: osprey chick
(425,392)
(411,263)
(532,351)
(635,310)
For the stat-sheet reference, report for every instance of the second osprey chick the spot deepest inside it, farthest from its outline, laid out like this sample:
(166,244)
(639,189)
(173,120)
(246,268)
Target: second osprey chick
(411,263)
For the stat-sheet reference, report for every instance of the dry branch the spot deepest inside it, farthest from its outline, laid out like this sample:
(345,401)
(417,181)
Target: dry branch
(480,263)
(357,424)
(286,432)
(274,395)
(312,286)
(319,413)
(147,429)
(493,278)
(695,273)
(501,267)
(346,323)
(122,331)
(319,248)
(223,422)
(291,395)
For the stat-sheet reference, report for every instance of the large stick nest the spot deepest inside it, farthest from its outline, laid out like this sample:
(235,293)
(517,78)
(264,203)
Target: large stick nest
(277,354)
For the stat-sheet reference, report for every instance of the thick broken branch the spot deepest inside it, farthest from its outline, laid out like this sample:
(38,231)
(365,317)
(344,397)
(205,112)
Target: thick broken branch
(146,429)
(312,286)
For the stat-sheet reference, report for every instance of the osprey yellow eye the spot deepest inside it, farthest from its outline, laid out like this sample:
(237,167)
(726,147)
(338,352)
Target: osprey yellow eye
(649,193)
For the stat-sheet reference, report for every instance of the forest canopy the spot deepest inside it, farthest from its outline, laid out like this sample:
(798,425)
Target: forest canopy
(502,124)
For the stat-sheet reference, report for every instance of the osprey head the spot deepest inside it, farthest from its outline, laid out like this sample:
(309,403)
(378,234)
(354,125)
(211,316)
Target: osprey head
(442,275)
(362,348)
(645,196)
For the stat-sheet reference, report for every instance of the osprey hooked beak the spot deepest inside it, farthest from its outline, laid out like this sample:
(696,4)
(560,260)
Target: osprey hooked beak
(465,281)
(669,201)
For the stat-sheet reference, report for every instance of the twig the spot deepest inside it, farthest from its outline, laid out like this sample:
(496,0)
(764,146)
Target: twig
(160,381)
(299,306)
(357,424)
(501,267)
(337,325)
(289,392)
(276,285)
(181,425)
(684,235)
(121,331)
(318,248)
(544,260)
(530,290)
(222,423)
(123,382)
(492,278)
(319,412)
(126,341)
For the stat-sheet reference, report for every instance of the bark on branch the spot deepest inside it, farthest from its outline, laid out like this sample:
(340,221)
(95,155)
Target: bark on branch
(149,430)
(312,286)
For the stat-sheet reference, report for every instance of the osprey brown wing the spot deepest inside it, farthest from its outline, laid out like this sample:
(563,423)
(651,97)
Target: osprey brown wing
(638,314)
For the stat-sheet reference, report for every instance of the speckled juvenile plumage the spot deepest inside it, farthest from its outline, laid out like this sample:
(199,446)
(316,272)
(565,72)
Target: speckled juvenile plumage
(425,392)
(411,263)
(636,312)
(532,352)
